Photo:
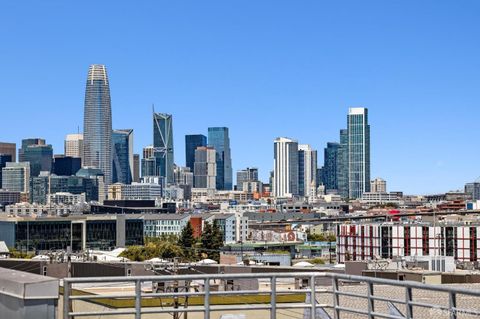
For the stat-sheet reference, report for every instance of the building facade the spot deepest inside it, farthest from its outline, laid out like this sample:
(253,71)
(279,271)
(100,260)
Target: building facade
(66,165)
(97,122)
(307,171)
(9,149)
(163,145)
(205,168)
(136,168)
(191,144)
(122,165)
(74,146)
(16,177)
(285,173)
(246,175)
(38,154)
(358,152)
(378,185)
(219,139)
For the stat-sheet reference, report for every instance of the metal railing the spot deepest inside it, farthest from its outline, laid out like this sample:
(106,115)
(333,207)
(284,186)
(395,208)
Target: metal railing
(364,300)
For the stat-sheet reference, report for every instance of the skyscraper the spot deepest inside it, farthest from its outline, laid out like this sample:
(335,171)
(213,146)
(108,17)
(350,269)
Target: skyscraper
(163,145)
(330,166)
(136,168)
(38,154)
(307,170)
(358,152)
(10,149)
(191,144)
(218,138)
(74,145)
(246,175)
(205,167)
(4,159)
(122,166)
(66,165)
(97,122)
(342,165)
(16,177)
(285,172)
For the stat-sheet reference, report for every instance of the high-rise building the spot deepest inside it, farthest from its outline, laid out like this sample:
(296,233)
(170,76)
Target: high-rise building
(136,168)
(246,175)
(330,166)
(122,165)
(183,176)
(16,177)
(97,122)
(39,188)
(320,176)
(218,138)
(342,165)
(38,154)
(4,159)
(205,167)
(358,152)
(74,146)
(378,185)
(473,189)
(191,144)
(163,145)
(307,170)
(10,149)
(285,172)
(66,165)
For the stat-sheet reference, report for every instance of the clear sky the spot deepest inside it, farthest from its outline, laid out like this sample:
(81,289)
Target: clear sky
(262,68)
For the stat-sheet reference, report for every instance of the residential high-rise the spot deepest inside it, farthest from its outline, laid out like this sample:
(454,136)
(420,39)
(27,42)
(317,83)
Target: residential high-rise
(163,145)
(330,166)
(10,149)
(218,138)
(378,185)
(191,144)
(16,177)
(246,175)
(4,159)
(358,152)
(307,170)
(122,165)
(97,122)
(205,167)
(136,168)
(285,172)
(342,165)
(74,145)
(38,154)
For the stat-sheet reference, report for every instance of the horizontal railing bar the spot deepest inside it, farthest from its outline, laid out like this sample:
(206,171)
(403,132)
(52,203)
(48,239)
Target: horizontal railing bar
(350,294)
(386,316)
(349,310)
(385,299)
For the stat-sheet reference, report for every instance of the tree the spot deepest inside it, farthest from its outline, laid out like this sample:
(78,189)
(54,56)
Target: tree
(187,241)
(212,240)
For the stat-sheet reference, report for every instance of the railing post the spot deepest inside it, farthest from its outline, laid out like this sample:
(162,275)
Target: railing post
(408,302)
(371,300)
(336,298)
(66,299)
(138,299)
(207,298)
(453,305)
(313,297)
(273,297)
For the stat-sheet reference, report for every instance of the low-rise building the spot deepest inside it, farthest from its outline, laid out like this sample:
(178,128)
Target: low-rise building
(168,224)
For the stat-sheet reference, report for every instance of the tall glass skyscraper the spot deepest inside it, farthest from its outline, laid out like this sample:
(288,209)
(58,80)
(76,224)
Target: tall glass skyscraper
(97,122)
(219,139)
(330,166)
(285,171)
(358,152)
(191,144)
(38,154)
(307,170)
(122,169)
(342,165)
(163,145)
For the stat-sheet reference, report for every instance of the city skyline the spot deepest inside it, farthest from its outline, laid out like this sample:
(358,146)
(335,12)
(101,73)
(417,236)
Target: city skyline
(410,95)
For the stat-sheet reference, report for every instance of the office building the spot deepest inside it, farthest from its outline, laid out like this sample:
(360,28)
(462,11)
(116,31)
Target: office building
(97,123)
(38,154)
(285,173)
(473,189)
(9,149)
(330,166)
(74,146)
(136,168)
(218,138)
(378,185)
(66,165)
(183,176)
(159,225)
(246,175)
(191,144)
(4,159)
(135,191)
(16,177)
(39,188)
(163,145)
(307,171)
(122,165)
(9,198)
(205,170)
(358,152)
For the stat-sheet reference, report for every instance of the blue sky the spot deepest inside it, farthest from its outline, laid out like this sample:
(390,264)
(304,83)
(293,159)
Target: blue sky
(262,68)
